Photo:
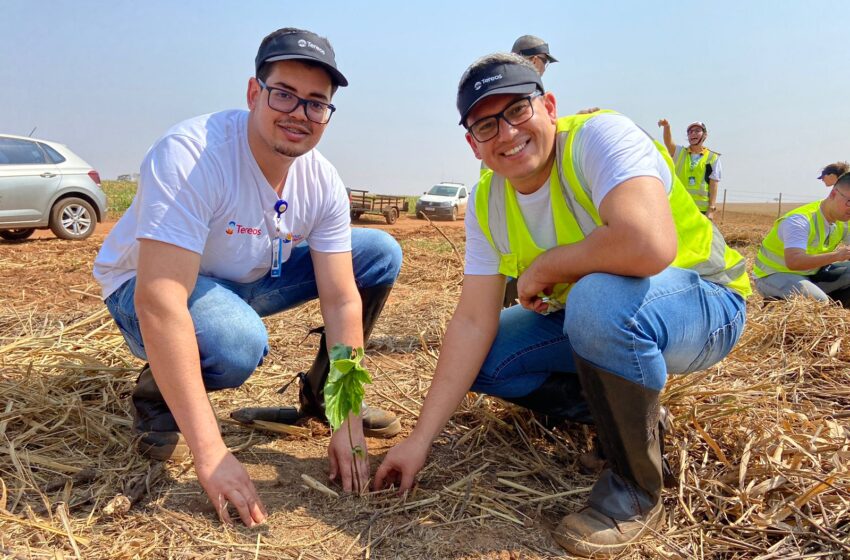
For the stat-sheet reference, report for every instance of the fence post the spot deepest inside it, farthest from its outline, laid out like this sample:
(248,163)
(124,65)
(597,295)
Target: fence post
(779,212)
(723,209)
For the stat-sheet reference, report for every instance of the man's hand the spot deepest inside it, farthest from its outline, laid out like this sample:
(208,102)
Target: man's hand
(401,465)
(227,483)
(342,459)
(529,289)
(663,123)
(842,254)
(710,214)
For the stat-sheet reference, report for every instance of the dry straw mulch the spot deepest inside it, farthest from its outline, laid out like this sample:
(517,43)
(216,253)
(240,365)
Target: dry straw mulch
(760,447)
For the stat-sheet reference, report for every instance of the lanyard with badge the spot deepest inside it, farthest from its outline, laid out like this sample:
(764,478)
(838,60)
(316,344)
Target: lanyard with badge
(277,243)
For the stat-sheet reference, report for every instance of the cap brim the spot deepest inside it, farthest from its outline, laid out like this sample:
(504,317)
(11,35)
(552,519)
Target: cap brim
(529,87)
(821,176)
(551,58)
(336,75)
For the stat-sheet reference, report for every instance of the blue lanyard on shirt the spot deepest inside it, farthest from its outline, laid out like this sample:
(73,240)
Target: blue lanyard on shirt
(277,243)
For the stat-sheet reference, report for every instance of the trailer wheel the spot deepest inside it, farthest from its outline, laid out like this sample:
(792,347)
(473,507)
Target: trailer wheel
(391,215)
(356,215)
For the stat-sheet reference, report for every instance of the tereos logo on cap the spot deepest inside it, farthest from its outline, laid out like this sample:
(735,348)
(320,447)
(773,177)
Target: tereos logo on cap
(302,43)
(477,86)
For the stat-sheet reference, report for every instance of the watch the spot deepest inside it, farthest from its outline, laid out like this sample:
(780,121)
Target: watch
(712,208)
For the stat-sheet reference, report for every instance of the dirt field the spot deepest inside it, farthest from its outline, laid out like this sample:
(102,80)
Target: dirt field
(760,443)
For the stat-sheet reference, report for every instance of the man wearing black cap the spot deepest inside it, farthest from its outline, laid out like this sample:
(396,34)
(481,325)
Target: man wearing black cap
(585,211)
(696,166)
(830,173)
(535,50)
(216,238)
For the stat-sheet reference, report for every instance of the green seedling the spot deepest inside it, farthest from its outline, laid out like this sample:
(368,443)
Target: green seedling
(344,393)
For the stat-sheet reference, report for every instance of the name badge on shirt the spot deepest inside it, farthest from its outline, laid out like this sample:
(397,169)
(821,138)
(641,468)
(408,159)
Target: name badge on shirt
(692,181)
(277,257)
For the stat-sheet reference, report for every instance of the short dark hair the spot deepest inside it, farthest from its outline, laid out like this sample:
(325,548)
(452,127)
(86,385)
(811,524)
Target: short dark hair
(266,69)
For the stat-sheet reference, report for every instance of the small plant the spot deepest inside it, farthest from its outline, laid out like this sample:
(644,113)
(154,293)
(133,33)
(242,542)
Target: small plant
(344,393)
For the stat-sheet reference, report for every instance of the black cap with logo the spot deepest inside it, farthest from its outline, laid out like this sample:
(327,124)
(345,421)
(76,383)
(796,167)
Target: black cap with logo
(496,78)
(529,45)
(299,45)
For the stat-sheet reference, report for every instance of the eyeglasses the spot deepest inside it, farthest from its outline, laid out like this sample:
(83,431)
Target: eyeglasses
(286,102)
(844,196)
(514,114)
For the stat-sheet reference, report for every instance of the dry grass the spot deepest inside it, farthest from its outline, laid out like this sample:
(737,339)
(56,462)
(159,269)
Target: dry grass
(760,443)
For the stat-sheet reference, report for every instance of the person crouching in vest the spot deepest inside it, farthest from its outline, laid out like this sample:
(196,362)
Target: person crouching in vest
(586,212)
(697,167)
(805,251)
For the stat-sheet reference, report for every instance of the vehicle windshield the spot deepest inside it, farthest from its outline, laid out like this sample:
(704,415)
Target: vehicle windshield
(443,190)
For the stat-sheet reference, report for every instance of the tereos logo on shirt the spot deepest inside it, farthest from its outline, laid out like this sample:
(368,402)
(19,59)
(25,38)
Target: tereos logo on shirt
(239,229)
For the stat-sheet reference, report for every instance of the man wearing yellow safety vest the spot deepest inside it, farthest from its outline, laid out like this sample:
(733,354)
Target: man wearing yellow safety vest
(697,167)
(805,251)
(584,206)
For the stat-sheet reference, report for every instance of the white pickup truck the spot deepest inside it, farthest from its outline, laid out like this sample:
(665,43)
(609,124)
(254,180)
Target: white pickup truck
(444,200)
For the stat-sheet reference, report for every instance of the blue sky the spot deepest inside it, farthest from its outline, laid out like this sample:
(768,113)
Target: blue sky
(770,79)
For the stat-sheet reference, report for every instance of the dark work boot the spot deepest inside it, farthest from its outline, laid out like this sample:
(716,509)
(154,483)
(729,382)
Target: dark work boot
(311,394)
(376,422)
(625,502)
(558,399)
(160,439)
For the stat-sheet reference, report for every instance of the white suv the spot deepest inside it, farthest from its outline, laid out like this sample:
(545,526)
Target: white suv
(44,184)
(445,200)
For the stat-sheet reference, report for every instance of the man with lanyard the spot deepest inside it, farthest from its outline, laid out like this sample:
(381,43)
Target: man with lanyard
(806,250)
(697,167)
(535,50)
(586,212)
(216,238)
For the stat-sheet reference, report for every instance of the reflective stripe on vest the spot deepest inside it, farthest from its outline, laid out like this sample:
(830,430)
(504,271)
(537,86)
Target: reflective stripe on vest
(701,247)
(771,255)
(685,171)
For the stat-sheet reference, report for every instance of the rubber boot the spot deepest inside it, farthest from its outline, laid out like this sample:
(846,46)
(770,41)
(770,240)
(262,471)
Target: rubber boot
(625,502)
(558,399)
(160,438)
(376,422)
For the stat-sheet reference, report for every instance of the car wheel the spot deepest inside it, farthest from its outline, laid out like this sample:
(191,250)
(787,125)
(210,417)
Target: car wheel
(16,234)
(454,213)
(72,218)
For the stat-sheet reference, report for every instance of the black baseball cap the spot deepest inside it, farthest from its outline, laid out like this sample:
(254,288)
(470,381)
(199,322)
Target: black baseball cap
(297,44)
(529,45)
(496,78)
(834,169)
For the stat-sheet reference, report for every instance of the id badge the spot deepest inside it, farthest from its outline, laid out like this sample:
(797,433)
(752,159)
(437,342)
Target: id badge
(277,257)
(692,181)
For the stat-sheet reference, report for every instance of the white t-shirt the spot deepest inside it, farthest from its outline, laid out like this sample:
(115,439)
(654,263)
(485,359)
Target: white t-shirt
(715,167)
(201,189)
(794,231)
(608,150)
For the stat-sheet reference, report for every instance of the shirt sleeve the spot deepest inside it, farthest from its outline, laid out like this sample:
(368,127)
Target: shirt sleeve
(482,259)
(794,232)
(716,171)
(176,195)
(611,149)
(332,233)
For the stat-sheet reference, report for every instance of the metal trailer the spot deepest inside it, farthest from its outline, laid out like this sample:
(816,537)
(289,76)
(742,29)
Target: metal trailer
(363,202)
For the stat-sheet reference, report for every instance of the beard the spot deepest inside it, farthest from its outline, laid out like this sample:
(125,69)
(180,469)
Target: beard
(295,150)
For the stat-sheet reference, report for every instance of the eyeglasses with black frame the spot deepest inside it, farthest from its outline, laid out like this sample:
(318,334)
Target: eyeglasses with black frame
(287,102)
(514,114)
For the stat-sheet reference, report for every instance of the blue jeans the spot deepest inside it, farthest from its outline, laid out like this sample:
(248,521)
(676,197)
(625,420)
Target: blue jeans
(637,328)
(232,340)
(783,285)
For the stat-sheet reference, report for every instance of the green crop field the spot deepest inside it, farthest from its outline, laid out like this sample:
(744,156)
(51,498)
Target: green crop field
(119,195)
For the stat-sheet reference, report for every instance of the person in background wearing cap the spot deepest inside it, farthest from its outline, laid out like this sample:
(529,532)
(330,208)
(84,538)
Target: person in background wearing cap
(585,210)
(696,166)
(830,174)
(216,238)
(536,50)
(806,250)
